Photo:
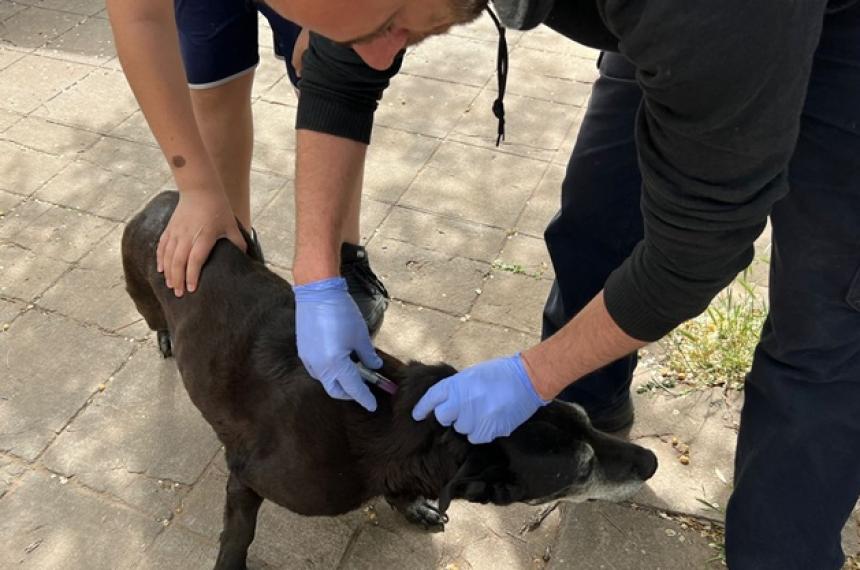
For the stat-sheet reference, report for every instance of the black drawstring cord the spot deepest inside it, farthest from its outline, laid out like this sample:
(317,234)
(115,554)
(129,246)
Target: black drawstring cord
(502,74)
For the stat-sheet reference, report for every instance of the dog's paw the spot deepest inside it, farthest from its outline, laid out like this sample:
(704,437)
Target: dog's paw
(165,346)
(421,512)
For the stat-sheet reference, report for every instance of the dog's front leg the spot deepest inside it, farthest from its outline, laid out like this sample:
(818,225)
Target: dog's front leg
(240,522)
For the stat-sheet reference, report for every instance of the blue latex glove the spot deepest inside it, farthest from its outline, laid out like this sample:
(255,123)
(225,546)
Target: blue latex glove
(329,327)
(485,401)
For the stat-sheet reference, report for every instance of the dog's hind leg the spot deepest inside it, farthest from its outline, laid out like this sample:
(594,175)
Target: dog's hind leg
(419,511)
(240,522)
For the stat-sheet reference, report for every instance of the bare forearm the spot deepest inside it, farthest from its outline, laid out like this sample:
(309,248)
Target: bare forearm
(589,341)
(148,48)
(329,173)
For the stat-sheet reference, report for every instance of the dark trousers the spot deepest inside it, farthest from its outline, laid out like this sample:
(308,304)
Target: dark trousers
(797,467)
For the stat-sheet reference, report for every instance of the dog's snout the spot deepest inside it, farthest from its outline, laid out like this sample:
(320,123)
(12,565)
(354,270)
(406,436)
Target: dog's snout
(645,465)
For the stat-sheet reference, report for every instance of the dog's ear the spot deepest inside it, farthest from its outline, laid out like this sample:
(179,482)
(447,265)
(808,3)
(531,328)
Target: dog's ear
(483,478)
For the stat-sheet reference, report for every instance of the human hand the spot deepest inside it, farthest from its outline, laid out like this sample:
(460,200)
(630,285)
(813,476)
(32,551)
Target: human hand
(329,327)
(485,401)
(200,218)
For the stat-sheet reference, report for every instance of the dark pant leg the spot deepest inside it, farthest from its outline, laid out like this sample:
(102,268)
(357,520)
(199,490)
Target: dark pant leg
(599,222)
(798,457)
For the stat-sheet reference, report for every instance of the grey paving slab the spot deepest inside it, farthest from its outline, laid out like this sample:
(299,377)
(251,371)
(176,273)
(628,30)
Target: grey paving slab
(137,160)
(54,231)
(89,41)
(46,524)
(545,75)
(475,184)
(11,469)
(524,254)
(109,87)
(88,187)
(135,129)
(444,234)
(511,300)
(706,424)
(48,378)
(276,228)
(484,29)
(33,27)
(269,72)
(8,201)
(427,277)
(98,297)
(83,7)
(533,128)
(8,8)
(179,549)
(9,56)
(372,215)
(543,204)
(7,118)
(425,106)
(52,138)
(274,137)
(546,39)
(562,155)
(9,309)
(119,443)
(23,171)
(25,275)
(414,332)
(614,537)
(474,342)
(394,159)
(282,92)
(33,80)
(454,59)
(283,539)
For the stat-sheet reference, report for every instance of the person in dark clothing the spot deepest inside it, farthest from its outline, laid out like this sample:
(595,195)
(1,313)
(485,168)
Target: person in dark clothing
(707,117)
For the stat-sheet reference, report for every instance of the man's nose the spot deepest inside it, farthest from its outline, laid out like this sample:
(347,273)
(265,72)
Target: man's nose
(379,53)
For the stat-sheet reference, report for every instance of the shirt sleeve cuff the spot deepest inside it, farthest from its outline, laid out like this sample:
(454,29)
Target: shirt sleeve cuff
(323,114)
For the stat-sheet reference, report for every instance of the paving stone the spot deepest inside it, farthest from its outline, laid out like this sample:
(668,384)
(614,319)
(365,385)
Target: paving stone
(25,275)
(43,136)
(73,106)
(8,8)
(372,214)
(282,92)
(88,187)
(178,549)
(8,201)
(427,277)
(546,39)
(9,309)
(484,29)
(394,159)
(32,80)
(33,27)
(543,204)
(562,155)
(96,297)
(7,118)
(140,161)
(54,231)
(425,106)
(446,235)
(454,59)
(8,56)
(276,228)
(514,301)
(474,184)
(118,444)
(270,72)
(415,333)
(47,524)
(616,537)
(39,350)
(534,128)
(475,342)
(544,75)
(10,470)
(705,422)
(283,539)
(274,138)
(529,254)
(84,7)
(135,129)
(23,171)
(89,41)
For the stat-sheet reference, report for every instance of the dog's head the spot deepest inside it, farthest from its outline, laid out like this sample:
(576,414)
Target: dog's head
(556,454)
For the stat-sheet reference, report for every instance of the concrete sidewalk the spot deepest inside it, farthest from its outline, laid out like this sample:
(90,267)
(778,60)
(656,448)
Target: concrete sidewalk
(105,463)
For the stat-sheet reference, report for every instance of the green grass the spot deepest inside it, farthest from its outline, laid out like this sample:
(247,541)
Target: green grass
(716,348)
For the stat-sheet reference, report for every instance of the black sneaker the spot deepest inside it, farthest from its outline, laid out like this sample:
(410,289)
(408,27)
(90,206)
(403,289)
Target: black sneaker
(254,249)
(613,419)
(365,287)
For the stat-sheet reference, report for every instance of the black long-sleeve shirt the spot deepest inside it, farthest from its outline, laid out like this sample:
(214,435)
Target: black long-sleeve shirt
(723,88)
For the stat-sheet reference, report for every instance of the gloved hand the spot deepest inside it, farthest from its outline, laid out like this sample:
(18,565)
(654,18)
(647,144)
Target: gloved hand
(485,401)
(329,327)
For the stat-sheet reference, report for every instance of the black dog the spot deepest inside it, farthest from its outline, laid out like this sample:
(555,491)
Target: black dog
(288,442)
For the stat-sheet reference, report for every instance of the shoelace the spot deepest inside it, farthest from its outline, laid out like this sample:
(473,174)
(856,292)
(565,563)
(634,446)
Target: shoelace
(502,75)
(366,277)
